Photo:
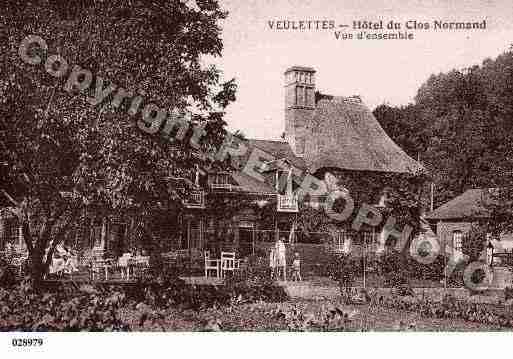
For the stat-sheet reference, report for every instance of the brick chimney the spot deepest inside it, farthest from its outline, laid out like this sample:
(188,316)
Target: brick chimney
(299,105)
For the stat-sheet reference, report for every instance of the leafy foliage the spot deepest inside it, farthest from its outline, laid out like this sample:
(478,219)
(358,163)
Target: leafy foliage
(459,125)
(113,308)
(474,242)
(54,142)
(24,309)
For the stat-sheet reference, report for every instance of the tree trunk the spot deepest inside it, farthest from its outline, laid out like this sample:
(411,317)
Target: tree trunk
(38,264)
(37,269)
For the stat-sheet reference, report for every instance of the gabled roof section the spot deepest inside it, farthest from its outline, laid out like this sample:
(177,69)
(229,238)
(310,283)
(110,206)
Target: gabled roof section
(279,164)
(248,184)
(279,150)
(348,136)
(470,204)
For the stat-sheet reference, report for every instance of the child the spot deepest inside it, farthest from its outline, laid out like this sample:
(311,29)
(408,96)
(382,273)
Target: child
(296,267)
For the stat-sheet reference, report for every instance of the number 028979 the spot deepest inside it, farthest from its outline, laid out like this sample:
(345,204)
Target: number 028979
(27,342)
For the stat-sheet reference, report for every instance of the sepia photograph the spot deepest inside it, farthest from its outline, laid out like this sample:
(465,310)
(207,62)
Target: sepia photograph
(186,166)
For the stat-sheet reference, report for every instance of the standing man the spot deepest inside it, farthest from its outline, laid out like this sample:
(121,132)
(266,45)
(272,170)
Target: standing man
(281,258)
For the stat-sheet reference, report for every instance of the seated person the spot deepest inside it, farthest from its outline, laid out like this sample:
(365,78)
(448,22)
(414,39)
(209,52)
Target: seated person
(59,258)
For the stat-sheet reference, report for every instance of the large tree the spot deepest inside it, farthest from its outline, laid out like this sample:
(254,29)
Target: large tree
(61,152)
(460,127)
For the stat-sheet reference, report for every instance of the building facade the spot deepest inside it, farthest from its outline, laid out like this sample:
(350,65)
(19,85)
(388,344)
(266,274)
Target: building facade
(326,136)
(454,220)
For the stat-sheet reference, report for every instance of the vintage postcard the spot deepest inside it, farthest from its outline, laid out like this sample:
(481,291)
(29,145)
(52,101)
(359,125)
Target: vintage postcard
(254,166)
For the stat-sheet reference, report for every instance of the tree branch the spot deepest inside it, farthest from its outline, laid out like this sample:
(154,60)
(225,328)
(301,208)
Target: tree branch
(10,198)
(27,236)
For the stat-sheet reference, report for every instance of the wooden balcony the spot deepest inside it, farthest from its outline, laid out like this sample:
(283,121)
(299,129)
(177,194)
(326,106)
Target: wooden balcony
(287,204)
(195,199)
(221,186)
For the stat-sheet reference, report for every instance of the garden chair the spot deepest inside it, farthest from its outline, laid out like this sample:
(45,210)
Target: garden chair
(99,266)
(141,265)
(212,265)
(19,261)
(229,263)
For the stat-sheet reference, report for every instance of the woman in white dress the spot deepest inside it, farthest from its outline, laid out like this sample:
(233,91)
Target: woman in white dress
(281,258)
(272,262)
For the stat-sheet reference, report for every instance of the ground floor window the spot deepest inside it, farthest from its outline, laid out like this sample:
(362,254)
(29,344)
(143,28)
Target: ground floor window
(96,234)
(117,241)
(457,242)
(194,235)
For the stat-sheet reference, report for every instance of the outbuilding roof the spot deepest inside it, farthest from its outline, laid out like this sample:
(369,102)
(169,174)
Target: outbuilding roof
(470,204)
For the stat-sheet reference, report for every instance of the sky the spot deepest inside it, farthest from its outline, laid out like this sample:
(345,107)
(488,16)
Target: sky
(380,71)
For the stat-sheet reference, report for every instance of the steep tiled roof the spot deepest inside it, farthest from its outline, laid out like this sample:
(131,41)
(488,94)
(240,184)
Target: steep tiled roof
(470,204)
(279,150)
(348,136)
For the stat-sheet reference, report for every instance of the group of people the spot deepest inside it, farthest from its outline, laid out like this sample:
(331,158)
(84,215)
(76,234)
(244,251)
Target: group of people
(64,261)
(278,262)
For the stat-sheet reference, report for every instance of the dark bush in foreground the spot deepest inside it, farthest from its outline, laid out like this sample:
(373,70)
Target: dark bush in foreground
(64,307)
(67,310)
(7,274)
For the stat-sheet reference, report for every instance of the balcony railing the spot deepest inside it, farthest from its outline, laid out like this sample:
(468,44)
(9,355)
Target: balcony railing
(221,186)
(287,203)
(195,199)
(356,243)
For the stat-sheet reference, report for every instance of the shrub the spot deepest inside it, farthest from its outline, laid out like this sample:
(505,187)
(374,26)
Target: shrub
(343,268)
(244,292)
(433,271)
(7,274)
(27,310)
(394,267)
(474,242)
(508,293)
